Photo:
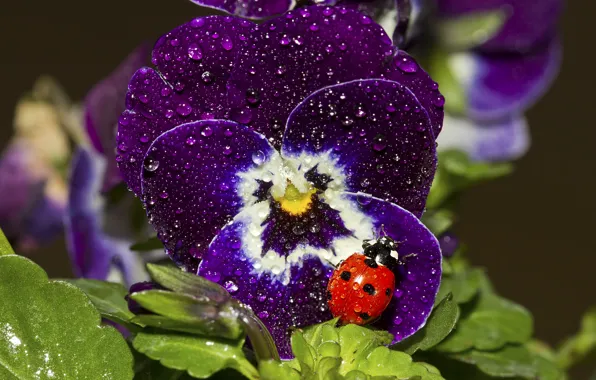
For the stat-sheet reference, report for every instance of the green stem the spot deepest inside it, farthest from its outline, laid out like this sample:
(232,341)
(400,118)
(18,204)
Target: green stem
(260,338)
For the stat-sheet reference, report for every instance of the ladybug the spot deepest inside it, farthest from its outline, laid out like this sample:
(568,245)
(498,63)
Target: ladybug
(361,286)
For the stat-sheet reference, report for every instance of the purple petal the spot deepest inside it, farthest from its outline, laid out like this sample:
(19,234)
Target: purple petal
(290,57)
(103,106)
(417,281)
(190,183)
(376,131)
(288,288)
(501,85)
(504,140)
(31,211)
(193,65)
(93,253)
(528,22)
(253,9)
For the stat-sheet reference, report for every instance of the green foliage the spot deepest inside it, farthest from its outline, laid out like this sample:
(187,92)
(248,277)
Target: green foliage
(456,172)
(200,356)
(325,351)
(579,346)
(5,247)
(439,325)
(149,244)
(50,329)
(452,89)
(470,30)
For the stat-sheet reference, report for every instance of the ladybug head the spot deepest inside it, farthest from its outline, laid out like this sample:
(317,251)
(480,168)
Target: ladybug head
(382,250)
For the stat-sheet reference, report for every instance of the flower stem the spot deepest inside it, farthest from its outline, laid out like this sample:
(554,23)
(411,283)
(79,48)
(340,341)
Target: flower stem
(260,338)
(404,9)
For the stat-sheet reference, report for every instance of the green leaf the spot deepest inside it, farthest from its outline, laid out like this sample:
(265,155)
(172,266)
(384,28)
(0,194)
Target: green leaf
(579,346)
(208,317)
(304,352)
(183,282)
(470,30)
(51,329)
(321,332)
(274,370)
(439,221)
(150,244)
(456,172)
(108,299)
(452,89)
(328,369)
(385,362)
(440,323)
(464,285)
(5,247)
(200,356)
(356,343)
(493,322)
(509,361)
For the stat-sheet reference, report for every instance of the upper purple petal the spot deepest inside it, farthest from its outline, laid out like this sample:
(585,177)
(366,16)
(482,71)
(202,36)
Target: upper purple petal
(103,106)
(190,183)
(376,131)
(193,63)
(528,23)
(506,84)
(253,9)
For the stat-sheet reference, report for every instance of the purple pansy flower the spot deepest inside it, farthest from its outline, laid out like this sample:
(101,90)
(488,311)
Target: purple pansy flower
(501,77)
(266,153)
(31,177)
(99,236)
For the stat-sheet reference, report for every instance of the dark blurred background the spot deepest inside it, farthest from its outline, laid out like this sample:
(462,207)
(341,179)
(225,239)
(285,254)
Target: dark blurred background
(532,230)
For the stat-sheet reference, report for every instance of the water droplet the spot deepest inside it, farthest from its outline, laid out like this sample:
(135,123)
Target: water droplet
(227,43)
(212,276)
(364,200)
(184,109)
(298,229)
(190,140)
(258,157)
(207,131)
(252,97)
(439,101)
(163,195)
(397,320)
(281,69)
(407,65)
(194,52)
(150,164)
(227,150)
(197,22)
(365,182)
(263,314)
(360,112)
(285,40)
(379,143)
(231,286)
(207,77)
(347,121)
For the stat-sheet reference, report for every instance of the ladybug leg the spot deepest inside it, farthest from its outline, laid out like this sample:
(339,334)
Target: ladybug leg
(402,261)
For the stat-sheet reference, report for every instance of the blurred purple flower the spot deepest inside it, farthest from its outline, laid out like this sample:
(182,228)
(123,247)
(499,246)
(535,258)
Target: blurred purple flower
(252,148)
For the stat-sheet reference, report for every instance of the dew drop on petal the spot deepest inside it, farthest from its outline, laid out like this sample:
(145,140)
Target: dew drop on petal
(258,157)
(407,65)
(231,286)
(150,164)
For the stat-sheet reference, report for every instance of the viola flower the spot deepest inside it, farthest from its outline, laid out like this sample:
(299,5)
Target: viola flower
(500,77)
(99,235)
(32,176)
(266,153)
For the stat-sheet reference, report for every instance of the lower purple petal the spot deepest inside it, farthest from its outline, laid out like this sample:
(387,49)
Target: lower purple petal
(504,140)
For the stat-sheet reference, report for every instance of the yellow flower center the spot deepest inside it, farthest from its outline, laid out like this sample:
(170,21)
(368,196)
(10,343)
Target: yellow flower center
(294,202)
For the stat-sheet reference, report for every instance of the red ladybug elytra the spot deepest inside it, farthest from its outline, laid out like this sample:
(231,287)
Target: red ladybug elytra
(361,287)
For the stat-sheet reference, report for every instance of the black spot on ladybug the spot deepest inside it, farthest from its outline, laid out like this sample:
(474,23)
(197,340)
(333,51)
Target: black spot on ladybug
(387,292)
(345,275)
(365,316)
(371,263)
(368,288)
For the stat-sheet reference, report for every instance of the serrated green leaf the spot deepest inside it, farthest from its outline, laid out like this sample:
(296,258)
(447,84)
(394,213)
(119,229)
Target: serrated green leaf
(492,323)
(440,323)
(150,244)
(51,329)
(5,247)
(509,361)
(183,282)
(200,356)
(274,370)
(356,343)
(576,348)
(385,362)
(210,318)
(470,30)
(108,299)
(315,334)
(304,352)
